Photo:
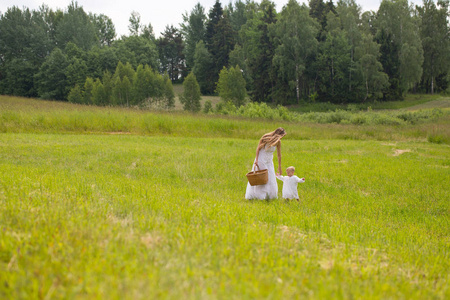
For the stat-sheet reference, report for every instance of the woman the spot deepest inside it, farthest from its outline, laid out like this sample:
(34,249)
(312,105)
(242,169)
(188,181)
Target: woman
(264,160)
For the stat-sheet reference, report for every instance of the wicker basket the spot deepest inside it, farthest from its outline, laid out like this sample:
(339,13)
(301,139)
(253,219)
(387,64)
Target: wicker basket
(259,177)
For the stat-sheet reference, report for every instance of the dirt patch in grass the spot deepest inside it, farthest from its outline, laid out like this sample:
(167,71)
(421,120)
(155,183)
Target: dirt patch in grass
(399,152)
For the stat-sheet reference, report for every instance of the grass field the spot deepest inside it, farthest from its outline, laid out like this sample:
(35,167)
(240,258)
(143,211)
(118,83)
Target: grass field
(101,203)
(411,102)
(22,115)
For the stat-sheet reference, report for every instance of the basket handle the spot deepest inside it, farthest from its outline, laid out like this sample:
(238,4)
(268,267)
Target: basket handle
(255,168)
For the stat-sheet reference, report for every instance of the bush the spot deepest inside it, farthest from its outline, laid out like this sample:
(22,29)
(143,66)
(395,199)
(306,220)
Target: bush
(75,95)
(355,117)
(207,107)
(255,110)
(385,119)
(226,108)
(191,94)
(435,138)
(420,116)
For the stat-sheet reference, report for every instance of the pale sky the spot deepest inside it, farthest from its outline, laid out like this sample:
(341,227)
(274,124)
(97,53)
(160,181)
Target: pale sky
(158,13)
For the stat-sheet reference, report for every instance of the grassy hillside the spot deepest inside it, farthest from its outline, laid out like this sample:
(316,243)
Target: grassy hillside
(38,116)
(112,203)
(411,101)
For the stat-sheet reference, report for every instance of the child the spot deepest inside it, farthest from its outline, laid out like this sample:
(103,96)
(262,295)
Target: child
(290,183)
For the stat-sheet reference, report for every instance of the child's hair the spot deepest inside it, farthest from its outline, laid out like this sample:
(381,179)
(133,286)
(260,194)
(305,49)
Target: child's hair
(290,169)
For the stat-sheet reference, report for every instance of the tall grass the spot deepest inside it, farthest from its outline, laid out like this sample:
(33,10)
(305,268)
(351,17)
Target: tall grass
(37,116)
(410,101)
(139,217)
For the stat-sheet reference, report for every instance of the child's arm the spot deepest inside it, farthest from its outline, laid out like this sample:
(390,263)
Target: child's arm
(300,179)
(280,177)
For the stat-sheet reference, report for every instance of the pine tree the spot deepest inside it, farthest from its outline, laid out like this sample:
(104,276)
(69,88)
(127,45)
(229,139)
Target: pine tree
(214,16)
(319,11)
(171,53)
(223,43)
(193,30)
(389,59)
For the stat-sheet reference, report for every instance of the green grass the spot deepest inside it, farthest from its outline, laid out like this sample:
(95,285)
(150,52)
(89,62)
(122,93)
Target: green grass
(21,115)
(161,213)
(410,101)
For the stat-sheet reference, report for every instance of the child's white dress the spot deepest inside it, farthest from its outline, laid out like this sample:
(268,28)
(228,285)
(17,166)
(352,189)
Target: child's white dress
(290,186)
(270,189)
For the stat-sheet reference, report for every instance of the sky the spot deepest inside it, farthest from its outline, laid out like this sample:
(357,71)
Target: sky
(159,13)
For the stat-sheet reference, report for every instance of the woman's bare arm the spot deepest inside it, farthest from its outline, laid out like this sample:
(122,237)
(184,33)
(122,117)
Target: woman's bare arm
(279,157)
(257,153)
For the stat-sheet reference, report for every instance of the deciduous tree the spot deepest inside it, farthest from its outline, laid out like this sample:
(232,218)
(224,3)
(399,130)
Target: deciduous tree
(396,18)
(204,68)
(76,27)
(24,45)
(99,94)
(296,34)
(105,29)
(435,34)
(87,91)
(371,70)
(231,86)
(51,80)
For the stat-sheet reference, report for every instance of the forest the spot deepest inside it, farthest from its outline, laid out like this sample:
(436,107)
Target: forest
(320,52)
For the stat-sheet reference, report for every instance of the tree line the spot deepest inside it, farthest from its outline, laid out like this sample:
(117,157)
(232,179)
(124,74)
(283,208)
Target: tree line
(323,51)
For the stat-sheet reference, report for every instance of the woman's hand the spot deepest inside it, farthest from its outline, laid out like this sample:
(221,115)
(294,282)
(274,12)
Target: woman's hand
(279,171)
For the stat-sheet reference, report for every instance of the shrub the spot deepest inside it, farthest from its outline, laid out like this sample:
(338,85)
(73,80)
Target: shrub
(191,94)
(226,108)
(75,95)
(435,138)
(168,93)
(207,108)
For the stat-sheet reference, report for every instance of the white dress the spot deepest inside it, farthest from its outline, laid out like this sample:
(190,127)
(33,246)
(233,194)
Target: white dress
(270,189)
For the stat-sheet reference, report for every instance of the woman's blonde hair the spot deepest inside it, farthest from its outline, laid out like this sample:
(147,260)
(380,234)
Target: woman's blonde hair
(272,138)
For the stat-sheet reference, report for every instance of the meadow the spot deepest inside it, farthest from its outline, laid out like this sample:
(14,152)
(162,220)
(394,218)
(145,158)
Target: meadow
(111,203)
